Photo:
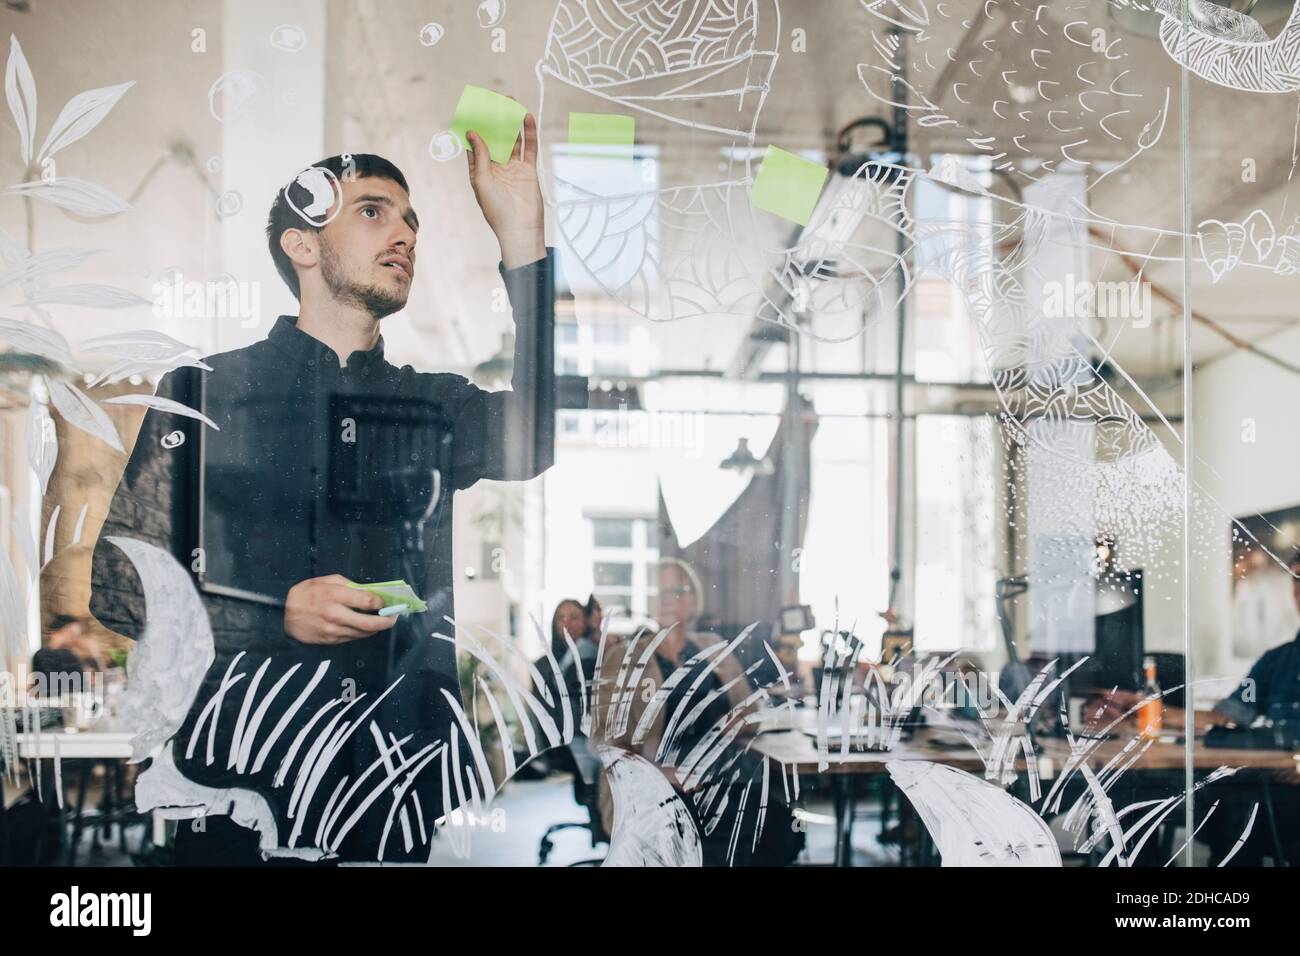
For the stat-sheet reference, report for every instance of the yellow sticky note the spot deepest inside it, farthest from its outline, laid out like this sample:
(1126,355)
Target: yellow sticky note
(498,119)
(613,134)
(788,185)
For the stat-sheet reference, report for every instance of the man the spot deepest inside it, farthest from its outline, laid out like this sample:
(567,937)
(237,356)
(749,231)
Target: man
(333,466)
(1271,690)
(702,696)
(67,653)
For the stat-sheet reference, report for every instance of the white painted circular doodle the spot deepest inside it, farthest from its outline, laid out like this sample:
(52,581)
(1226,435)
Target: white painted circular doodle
(233,93)
(491,13)
(230,203)
(444,147)
(431,33)
(288,38)
(326,194)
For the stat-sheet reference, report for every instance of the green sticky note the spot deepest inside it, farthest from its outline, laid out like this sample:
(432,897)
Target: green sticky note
(788,185)
(395,594)
(612,133)
(498,119)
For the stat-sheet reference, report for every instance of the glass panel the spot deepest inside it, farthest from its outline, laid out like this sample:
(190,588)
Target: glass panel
(1241,329)
(882,432)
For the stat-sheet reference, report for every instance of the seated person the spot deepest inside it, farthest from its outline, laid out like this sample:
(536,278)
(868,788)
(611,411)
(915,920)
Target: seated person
(67,653)
(703,706)
(1271,689)
(568,622)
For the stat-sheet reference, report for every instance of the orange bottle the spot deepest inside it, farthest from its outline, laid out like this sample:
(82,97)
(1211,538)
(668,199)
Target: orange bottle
(1150,716)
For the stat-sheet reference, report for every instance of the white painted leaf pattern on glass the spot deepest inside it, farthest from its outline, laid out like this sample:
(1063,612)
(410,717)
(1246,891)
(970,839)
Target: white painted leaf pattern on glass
(89,294)
(35,340)
(74,195)
(79,116)
(11,250)
(162,405)
(128,367)
(144,345)
(81,411)
(44,263)
(42,443)
(50,528)
(20,91)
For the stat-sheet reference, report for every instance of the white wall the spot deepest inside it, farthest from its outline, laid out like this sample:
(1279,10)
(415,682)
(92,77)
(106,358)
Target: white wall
(1244,477)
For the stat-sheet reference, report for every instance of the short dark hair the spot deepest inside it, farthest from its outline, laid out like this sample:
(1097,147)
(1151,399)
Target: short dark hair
(283,216)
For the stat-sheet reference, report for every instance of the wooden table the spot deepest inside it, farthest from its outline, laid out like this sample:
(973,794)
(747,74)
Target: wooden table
(785,736)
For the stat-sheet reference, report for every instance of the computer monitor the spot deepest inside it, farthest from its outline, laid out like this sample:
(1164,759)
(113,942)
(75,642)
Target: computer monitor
(1118,648)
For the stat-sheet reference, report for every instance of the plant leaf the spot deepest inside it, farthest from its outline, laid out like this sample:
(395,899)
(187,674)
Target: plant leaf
(35,340)
(162,405)
(81,411)
(79,116)
(75,195)
(81,523)
(89,294)
(11,250)
(20,91)
(49,535)
(144,345)
(128,367)
(44,263)
(42,443)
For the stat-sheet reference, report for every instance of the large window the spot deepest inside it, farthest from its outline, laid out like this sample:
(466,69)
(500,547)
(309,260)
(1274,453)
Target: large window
(623,556)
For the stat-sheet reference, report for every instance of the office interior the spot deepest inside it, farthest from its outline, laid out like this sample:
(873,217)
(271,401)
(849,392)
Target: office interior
(986,468)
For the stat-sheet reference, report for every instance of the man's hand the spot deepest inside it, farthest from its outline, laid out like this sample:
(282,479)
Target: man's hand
(510,196)
(327,611)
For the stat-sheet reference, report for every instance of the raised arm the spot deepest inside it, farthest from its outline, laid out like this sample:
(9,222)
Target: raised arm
(510,435)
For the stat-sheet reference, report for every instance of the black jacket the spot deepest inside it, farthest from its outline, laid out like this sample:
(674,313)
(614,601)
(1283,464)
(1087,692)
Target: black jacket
(316,470)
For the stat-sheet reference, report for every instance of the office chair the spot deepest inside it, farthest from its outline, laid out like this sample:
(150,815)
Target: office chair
(586,791)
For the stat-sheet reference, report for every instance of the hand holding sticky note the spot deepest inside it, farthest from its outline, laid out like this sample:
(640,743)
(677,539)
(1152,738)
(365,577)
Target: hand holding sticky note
(496,118)
(399,597)
(788,185)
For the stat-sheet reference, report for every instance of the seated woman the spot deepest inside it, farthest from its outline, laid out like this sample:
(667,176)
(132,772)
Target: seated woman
(685,710)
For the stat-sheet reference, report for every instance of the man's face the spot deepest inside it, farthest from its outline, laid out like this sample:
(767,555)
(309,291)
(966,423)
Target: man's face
(1295,583)
(368,249)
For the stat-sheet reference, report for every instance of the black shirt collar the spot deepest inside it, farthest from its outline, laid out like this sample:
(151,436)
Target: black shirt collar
(303,348)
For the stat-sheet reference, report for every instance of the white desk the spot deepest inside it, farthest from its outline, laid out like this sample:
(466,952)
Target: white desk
(75,745)
(63,744)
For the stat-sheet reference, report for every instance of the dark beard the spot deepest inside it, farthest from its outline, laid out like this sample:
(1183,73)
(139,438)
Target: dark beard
(374,299)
